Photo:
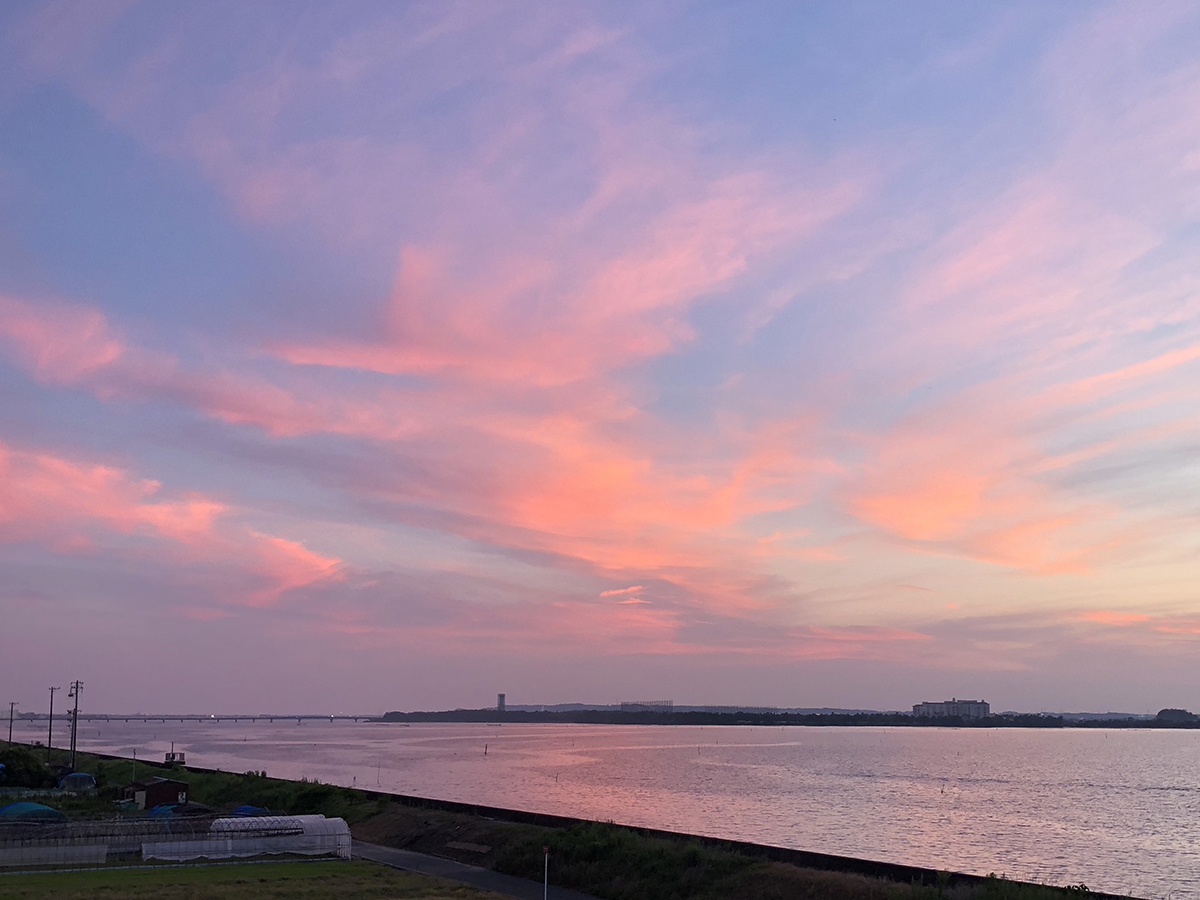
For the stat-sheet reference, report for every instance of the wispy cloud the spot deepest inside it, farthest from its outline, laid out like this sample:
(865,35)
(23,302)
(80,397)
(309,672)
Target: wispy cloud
(79,507)
(546,342)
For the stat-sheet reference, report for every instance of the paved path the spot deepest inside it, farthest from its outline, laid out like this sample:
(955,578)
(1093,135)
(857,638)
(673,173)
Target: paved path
(473,875)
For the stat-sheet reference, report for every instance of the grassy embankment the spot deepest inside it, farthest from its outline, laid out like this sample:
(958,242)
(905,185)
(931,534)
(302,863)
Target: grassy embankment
(619,863)
(294,881)
(608,861)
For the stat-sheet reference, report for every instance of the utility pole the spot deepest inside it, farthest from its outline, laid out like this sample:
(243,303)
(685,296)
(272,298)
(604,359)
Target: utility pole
(50,733)
(76,690)
(546,875)
(11,706)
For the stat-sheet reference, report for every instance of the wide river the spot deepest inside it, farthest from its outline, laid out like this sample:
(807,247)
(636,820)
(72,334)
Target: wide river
(1116,810)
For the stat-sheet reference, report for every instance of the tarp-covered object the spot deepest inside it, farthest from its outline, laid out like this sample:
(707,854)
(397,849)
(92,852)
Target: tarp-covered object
(77,781)
(26,811)
(164,810)
(259,836)
(247,810)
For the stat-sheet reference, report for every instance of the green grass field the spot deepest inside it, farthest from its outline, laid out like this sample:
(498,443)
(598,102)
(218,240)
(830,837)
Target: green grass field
(357,880)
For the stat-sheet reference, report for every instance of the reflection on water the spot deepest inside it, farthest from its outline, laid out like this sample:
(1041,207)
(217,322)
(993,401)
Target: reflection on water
(1117,810)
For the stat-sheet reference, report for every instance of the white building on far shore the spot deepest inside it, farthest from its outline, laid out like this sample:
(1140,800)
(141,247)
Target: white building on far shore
(964,709)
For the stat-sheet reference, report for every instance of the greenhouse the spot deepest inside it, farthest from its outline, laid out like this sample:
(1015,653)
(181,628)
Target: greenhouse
(32,842)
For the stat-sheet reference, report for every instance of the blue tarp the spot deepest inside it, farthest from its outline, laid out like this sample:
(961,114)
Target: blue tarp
(24,810)
(246,810)
(164,810)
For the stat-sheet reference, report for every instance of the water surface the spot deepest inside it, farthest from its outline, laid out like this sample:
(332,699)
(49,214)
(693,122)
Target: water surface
(1117,810)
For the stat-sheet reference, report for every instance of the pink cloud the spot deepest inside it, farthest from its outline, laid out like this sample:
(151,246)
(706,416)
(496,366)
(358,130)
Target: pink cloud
(40,492)
(58,343)
(963,478)
(613,305)
(81,507)
(520,308)
(572,628)
(287,564)
(527,317)
(75,345)
(1114,617)
(551,480)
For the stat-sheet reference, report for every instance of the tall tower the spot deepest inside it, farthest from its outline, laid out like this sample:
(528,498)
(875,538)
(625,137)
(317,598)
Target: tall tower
(499,703)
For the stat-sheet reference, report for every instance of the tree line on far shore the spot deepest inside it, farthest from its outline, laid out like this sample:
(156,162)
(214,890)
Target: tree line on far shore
(1165,719)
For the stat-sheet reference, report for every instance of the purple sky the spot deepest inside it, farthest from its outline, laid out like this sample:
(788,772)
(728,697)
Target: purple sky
(361,356)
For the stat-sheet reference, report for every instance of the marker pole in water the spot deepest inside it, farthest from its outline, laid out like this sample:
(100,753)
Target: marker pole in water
(546,875)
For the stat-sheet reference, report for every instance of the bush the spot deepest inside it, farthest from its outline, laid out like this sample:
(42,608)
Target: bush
(23,769)
(621,864)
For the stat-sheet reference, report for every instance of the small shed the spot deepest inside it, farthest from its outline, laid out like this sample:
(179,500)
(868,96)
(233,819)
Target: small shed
(152,792)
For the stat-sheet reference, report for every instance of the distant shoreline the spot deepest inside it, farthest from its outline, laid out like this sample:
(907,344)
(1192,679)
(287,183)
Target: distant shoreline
(615,717)
(492,716)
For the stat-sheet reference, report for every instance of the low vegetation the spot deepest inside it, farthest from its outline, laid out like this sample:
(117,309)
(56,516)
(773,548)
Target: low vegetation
(22,768)
(247,881)
(220,790)
(618,863)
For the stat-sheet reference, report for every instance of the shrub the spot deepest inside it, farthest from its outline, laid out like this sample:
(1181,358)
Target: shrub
(23,769)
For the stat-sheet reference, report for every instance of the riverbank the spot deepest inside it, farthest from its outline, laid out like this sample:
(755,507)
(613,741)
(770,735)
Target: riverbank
(609,861)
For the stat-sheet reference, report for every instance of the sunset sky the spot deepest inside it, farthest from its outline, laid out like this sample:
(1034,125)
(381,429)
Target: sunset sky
(361,356)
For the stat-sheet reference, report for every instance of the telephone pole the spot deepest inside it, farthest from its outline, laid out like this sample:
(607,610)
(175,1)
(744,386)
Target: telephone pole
(76,690)
(50,733)
(11,706)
